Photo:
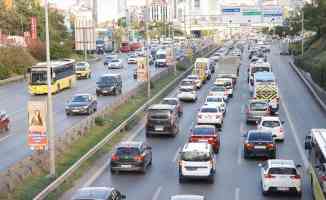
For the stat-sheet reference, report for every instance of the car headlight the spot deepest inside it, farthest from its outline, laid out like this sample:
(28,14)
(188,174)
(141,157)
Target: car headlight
(67,108)
(85,107)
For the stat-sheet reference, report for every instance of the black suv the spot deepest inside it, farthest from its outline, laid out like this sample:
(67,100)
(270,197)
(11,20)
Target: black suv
(81,104)
(109,84)
(259,143)
(131,156)
(162,119)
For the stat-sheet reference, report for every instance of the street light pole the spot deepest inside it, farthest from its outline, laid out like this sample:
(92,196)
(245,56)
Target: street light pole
(302,29)
(49,80)
(147,51)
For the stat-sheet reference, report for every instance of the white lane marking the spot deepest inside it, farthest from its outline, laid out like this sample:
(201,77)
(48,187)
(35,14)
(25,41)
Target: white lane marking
(157,193)
(239,155)
(243,107)
(237,193)
(242,128)
(175,157)
(5,137)
(296,138)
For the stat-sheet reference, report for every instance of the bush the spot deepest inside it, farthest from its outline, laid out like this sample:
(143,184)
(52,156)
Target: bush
(181,66)
(4,72)
(99,121)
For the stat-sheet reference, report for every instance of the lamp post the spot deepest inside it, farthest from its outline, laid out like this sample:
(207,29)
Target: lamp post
(302,31)
(49,80)
(230,29)
(147,50)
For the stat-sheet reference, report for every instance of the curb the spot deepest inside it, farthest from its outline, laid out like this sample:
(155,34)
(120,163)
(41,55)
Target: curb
(308,85)
(12,79)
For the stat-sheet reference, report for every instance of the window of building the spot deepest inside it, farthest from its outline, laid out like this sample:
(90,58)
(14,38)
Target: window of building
(197,3)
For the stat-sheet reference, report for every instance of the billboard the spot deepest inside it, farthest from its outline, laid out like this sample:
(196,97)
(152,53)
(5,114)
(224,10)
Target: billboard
(85,36)
(142,69)
(37,112)
(33,28)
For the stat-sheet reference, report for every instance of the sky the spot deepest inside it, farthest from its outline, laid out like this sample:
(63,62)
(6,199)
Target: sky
(107,9)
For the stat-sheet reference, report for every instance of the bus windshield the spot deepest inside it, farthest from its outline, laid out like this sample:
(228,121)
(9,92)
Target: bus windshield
(38,77)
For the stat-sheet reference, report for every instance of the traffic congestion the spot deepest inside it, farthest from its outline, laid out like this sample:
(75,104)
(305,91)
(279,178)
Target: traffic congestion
(224,133)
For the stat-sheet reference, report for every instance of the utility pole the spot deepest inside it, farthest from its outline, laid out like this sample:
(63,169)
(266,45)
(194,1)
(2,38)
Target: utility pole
(302,29)
(147,51)
(49,80)
(85,43)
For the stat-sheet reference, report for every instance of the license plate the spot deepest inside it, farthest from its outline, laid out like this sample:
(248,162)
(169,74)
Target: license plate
(126,166)
(159,128)
(191,168)
(202,140)
(260,147)
(75,110)
(282,188)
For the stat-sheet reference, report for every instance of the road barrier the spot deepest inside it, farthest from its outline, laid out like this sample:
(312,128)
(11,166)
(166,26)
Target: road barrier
(91,152)
(317,92)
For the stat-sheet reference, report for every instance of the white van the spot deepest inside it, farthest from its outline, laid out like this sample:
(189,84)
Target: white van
(197,161)
(161,58)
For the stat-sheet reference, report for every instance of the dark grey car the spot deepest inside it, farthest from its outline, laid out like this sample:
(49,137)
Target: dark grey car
(256,109)
(259,143)
(81,104)
(98,193)
(109,84)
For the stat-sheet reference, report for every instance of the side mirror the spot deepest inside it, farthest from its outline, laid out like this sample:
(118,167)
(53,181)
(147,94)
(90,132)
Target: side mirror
(308,142)
(298,166)
(274,136)
(282,122)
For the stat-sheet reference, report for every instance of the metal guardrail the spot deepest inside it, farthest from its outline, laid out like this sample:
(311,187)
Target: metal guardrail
(51,187)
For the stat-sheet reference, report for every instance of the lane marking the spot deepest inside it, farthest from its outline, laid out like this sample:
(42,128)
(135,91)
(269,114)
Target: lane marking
(296,138)
(5,137)
(240,155)
(237,193)
(175,157)
(157,193)
(242,128)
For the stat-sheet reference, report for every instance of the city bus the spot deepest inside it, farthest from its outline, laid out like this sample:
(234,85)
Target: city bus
(315,143)
(62,73)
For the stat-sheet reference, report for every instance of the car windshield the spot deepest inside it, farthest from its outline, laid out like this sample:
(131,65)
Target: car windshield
(260,69)
(195,156)
(91,194)
(258,106)
(186,83)
(80,64)
(271,124)
(115,60)
(160,56)
(170,101)
(127,151)
(209,110)
(81,98)
(186,90)
(105,80)
(260,136)
(159,114)
(203,131)
(282,171)
(192,77)
(214,99)
(218,89)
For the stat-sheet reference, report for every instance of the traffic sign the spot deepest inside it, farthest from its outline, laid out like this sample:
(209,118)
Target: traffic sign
(231,10)
(251,13)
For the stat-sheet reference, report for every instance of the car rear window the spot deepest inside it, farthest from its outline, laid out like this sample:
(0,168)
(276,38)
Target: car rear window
(214,99)
(169,102)
(283,171)
(195,156)
(218,89)
(260,136)
(127,151)
(186,89)
(258,106)
(271,124)
(260,69)
(203,131)
(159,114)
(208,110)
(186,83)
(91,194)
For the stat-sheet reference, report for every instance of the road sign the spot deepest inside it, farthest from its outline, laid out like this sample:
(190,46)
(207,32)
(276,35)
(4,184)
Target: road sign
(230,10)
(251,13)
(142,69)
(37,138)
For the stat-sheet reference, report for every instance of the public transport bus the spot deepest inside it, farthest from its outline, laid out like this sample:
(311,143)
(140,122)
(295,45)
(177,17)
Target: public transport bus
(63,76)
(315,143)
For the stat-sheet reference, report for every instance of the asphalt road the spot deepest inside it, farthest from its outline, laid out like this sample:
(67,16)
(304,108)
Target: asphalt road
(235,177)
(14,98)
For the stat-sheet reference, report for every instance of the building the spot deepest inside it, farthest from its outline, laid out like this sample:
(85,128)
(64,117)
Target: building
(159,11)
(89,5)
(122,8)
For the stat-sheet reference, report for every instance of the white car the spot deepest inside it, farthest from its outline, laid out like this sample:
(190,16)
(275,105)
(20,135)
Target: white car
(273,124)
(216,101)
(197,160)
(187,84)
(187,94)
(196,79)
(187,197)
(115,64)
(219,91)
(280,176)
(210,114)
(227,83)
(132,59)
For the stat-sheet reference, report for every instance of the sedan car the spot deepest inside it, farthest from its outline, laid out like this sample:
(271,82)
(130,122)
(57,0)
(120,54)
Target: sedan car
(206,133)
(216,101)
(196,79)
(81,104)
(280,176)
(187,197)
(219,90)
(115,64)
(132,59)
(131,156)
(109,58)
(259,143)
(209,114)
(256,109)
(174,102)
(98,193)
(187,94)
(273,124)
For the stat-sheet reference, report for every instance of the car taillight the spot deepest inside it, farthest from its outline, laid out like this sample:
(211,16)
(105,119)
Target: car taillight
(270,146)
(295,177)
(323,178)
(199,116)
(212,139)
(269,176)
(249,146)
(139,158)
(114,157)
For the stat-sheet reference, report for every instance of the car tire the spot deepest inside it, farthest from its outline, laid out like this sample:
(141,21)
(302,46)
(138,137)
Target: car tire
(181,179)
(68,113)
(148,135)
(98,94)
(265,193)
(211,179)
(217,150)
(245,155)
(180,114)
(7,127)
(113,171)
(143,169)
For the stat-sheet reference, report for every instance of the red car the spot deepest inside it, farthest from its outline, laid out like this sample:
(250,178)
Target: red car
(124,47)
(206,133)
(4,122)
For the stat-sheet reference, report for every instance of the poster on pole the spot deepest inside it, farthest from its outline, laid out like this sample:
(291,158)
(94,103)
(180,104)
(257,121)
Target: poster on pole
(142,69)
(85,36)
(33,28)
(37,138)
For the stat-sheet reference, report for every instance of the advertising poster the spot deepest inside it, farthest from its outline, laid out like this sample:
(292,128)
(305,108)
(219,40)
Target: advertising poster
(142,73)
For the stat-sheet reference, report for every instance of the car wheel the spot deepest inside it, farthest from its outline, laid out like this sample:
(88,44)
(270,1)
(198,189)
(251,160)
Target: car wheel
(181,179)
(245,155)
(68,113)
(113,171)
(148,134)
(98,94)
(217,150)
(211,179)
(180,113)
(7,127)
(265,193)
(150,162)
(143,169)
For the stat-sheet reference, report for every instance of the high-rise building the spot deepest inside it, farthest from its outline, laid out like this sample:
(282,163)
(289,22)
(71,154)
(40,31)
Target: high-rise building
(122,9)
(89,5)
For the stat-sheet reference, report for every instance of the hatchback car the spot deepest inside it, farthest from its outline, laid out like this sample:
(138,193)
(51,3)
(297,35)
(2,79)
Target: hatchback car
(197,161)
(187,197)
(132,59)
(206,133)
(216,101)
(81,104)
(174,102)
(227,83)
(83,70)
(98,193)
(259,143)
(131,156)
(187,94)
(109,84)
(115,64)
(187,84)
(196,79)
(256,109)
(210,114)
(280,176)
(273,124)
(219,90)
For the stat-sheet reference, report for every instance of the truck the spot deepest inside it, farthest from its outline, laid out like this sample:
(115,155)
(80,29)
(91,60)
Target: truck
(201,68)
(228,67)
(103,45)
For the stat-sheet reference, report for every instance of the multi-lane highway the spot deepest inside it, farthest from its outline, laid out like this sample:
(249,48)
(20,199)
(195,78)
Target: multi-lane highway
(14,98)
(236,178)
